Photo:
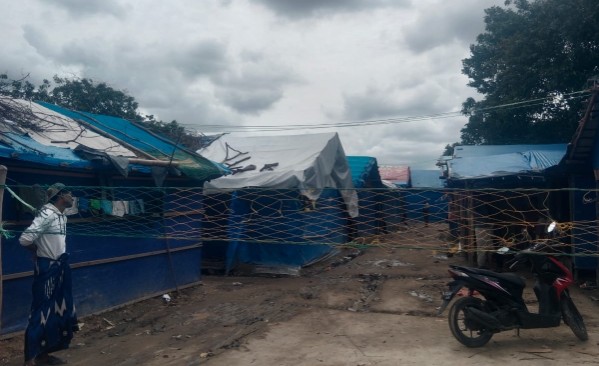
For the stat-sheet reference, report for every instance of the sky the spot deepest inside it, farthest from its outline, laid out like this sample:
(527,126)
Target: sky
(267,67)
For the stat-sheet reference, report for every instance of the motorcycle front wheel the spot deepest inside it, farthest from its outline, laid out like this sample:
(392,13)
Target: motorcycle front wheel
(573,318)
(465,330)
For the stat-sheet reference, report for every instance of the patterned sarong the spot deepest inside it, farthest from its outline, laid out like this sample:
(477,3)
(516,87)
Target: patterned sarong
(53,318)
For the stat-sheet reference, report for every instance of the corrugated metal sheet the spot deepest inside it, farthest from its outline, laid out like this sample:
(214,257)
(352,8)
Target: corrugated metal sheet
(474,162)
(467,151)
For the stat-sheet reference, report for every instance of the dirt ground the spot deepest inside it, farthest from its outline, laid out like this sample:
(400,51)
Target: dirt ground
(374,306)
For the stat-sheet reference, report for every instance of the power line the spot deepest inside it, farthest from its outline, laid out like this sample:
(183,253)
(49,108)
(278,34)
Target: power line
(385,121)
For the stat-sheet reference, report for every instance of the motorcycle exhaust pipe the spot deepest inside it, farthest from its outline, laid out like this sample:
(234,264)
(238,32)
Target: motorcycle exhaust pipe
(483,319)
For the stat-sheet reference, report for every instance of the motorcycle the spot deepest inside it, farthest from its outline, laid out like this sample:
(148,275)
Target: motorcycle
(494,301)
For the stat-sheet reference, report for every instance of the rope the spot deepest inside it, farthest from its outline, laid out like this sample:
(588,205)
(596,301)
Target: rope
(454,220)
(16,196)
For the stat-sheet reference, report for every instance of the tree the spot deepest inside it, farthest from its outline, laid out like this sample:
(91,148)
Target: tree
(176,132)
(23,89)
(76,94)
(99,98)
(449,149)
(530,65)
(89,96)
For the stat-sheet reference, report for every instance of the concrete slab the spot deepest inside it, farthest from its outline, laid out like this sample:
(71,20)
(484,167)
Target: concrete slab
(338,338)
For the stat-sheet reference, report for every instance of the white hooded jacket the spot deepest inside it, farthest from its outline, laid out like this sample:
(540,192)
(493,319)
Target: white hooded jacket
(48,231)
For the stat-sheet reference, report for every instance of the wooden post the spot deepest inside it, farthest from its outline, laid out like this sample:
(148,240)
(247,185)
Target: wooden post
(471,238)
(596,221)
(2,182)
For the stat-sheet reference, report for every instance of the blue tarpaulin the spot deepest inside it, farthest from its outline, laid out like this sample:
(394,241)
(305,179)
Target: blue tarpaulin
(140,139)
(371,195)
(145,259)
(484,161)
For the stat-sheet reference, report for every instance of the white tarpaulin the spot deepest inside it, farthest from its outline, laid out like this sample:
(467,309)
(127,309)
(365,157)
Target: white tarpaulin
(309,162)
(55,129)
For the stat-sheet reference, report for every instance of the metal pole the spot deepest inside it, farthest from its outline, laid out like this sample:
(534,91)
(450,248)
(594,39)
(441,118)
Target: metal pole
(2,182)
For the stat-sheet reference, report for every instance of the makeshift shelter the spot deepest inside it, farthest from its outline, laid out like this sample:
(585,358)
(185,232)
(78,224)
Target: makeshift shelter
(426,196)
(491,204)
(397,178)
(372,194)
(581,165)
(397,175)
(285,205)
(123,235)
(501,165)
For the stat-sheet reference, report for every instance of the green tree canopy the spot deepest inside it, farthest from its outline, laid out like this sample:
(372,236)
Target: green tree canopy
(89,96)
(530,65)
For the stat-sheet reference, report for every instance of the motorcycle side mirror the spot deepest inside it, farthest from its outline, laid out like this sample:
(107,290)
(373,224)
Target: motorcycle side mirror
(551,226)
(503,250)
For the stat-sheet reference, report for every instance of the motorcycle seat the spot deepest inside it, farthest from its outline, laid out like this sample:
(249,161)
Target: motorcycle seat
(508,277)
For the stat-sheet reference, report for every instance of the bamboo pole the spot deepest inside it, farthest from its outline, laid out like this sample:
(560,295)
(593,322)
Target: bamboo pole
(2,182)
(164,163)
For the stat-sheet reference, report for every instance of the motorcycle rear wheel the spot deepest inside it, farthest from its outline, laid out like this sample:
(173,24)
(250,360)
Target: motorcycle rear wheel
(464,330)
(573,318)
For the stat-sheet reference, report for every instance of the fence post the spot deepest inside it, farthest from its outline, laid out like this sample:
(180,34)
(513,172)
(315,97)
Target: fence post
(2,182)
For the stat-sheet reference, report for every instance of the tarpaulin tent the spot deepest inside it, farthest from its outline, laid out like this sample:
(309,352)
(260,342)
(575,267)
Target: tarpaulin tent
(398,175)
(488,162)
(494,205)
(581,164)
(372,194)
(116,164)
(288,200)
(426,187)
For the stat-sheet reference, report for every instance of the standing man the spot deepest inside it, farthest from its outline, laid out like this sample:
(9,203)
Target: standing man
(52,319)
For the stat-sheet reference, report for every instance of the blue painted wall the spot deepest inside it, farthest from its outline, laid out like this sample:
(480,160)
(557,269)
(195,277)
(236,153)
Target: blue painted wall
(141,244)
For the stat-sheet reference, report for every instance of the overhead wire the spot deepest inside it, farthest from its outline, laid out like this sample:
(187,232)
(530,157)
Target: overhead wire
(384,121)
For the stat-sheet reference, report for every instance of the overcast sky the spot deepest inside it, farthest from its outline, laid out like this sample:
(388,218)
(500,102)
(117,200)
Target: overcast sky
(216,65)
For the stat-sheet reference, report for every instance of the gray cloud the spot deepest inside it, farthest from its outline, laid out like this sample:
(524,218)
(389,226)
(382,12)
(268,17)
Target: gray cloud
(77,52)
(374,104)
(396,144)
(204,58)
(222,62)
(250,101)
(38,40)
(369,105)
(441,25)
(309,8)
(256,87)
(92,7)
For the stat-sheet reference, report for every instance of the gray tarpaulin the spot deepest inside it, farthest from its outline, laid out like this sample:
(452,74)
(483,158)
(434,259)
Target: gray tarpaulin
(309,162)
